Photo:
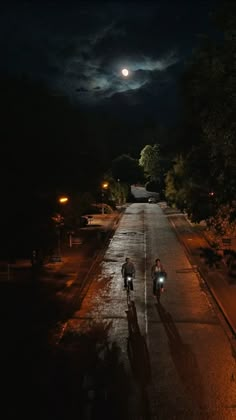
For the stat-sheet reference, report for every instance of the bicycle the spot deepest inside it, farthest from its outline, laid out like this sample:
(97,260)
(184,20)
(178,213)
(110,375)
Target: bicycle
(129,287)
(160,279)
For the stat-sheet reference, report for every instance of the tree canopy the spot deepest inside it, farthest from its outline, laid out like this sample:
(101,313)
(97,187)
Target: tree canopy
(150,161)
(126,169)
(210,127)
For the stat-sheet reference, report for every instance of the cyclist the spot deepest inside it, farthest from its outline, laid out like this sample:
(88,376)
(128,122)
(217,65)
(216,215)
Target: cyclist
(156,270)
(128,269)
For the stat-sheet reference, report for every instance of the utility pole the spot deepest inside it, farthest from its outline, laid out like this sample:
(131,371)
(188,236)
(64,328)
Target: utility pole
(104,187)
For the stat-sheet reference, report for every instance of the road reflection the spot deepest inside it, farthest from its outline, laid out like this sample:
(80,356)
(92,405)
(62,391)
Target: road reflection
(139,360)
(184,359)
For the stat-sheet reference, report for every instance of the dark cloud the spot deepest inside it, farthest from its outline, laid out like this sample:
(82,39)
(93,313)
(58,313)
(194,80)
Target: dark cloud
(79,48)
(81,90)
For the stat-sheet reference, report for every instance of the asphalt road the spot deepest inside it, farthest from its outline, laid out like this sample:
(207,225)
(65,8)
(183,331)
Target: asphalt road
(107,360)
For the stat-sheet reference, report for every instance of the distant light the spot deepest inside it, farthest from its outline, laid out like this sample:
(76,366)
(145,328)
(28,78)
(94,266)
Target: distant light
(211,194)
(105,185)
(63,199)
(125,72)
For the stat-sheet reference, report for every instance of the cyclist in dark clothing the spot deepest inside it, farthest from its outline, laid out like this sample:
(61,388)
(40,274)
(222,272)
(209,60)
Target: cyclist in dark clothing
(128,269)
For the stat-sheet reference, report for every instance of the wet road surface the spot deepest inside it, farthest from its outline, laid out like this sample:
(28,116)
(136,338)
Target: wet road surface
(146,361)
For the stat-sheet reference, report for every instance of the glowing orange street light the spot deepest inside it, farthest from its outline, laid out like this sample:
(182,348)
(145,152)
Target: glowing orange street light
(105,185)
(63,200)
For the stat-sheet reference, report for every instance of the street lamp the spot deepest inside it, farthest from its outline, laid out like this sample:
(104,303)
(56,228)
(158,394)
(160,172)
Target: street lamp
(104,187)
(119,192)
(61,200)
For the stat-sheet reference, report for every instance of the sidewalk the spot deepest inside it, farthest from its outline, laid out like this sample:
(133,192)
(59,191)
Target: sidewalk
(221,285)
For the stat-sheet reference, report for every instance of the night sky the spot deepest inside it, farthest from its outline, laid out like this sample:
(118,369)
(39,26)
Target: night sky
(79,49)
(67,109)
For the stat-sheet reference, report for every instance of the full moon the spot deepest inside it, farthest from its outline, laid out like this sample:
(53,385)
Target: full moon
(125,72)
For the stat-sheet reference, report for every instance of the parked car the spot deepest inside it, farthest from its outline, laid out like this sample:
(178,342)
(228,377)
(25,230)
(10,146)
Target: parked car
(84,221)
(152,200)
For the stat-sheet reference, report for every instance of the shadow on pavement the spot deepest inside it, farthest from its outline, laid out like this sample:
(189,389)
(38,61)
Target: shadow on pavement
(184,359)
(139,359)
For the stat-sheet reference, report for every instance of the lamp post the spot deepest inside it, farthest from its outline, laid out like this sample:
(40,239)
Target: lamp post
(119,198)
(59,242)
(62,200)
(104,187)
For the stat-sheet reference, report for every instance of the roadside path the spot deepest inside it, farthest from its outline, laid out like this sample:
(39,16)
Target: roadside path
(221,285)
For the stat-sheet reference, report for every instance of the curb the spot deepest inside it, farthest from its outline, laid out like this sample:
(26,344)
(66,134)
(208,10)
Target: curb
(204,276)
(219,303)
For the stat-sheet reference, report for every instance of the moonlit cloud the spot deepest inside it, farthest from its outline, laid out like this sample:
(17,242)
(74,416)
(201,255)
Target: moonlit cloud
(91,75)
(150,64)
(79,48)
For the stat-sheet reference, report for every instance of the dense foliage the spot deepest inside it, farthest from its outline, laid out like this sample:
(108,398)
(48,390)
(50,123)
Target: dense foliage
(126,169)
(203,181)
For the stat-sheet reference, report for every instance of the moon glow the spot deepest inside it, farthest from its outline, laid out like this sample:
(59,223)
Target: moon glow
(125,72)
